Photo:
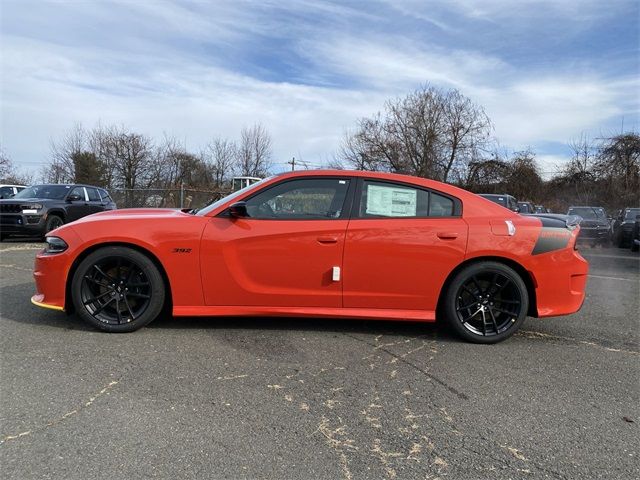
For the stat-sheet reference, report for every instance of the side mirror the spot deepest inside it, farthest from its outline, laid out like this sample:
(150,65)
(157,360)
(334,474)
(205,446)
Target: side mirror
(74,198)
(238,210)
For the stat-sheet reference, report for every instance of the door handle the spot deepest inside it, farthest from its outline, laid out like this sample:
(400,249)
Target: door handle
(447,235)
(328,239)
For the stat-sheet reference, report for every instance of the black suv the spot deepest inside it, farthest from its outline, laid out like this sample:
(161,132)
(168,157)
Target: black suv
(39,209)
(505,200)
(623,226)
(595,226)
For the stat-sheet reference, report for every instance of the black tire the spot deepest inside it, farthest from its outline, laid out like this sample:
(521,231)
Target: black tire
(634,246)
(117,289)
(53,222)
(486,302)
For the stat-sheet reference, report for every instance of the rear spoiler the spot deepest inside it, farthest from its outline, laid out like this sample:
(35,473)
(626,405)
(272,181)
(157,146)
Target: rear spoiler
(558,220)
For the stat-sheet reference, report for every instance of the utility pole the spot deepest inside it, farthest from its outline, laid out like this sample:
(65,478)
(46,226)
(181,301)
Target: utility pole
(292,163)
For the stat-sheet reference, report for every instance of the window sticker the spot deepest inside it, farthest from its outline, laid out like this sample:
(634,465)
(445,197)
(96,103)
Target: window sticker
(391,201)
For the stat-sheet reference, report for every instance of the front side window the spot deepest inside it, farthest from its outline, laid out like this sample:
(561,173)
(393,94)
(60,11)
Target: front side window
(78,191)
(312,198)
(380,199)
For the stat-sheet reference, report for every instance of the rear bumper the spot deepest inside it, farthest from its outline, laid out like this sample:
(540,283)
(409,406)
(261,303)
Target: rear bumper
(560,282)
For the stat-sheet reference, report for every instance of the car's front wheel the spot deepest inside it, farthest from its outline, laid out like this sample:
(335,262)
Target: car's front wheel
(117,289)
(486,302)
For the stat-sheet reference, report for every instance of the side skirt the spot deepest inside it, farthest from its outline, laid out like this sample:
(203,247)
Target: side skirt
(317,312)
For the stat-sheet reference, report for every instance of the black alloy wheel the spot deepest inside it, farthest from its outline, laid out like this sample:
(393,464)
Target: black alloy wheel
(118,289)
(486,302)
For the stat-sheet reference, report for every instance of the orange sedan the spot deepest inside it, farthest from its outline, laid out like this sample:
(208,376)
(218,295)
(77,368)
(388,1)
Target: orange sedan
(344,244)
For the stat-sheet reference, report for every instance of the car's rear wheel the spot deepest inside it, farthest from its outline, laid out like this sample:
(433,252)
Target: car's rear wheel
(118,289)
(486,302)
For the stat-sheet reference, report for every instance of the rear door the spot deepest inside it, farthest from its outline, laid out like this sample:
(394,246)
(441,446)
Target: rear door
(95,202)
(402,243)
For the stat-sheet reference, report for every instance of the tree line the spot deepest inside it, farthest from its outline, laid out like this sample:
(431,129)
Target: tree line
(432,133)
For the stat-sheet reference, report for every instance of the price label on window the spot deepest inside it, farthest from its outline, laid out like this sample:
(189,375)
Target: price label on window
(391,201)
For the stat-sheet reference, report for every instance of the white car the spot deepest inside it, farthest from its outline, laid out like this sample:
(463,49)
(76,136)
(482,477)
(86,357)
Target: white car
(8,191)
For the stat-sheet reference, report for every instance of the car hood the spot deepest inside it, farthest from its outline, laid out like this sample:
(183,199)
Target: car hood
(134,213)
(26,200)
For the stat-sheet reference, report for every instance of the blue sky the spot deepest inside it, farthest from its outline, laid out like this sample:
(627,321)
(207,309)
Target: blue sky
(545,71)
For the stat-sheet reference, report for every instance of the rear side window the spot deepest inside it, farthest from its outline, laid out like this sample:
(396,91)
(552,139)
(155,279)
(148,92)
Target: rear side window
(381,199)
(440,206)
(93,194)
(105,196)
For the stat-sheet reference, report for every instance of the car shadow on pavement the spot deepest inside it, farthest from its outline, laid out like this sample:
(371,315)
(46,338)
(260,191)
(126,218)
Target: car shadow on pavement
(303,324)
(16,306)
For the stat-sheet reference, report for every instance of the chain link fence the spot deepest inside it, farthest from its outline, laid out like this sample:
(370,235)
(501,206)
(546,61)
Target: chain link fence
(165,197)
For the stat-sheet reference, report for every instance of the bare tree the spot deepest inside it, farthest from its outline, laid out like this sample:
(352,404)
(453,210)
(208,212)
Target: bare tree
(254,151)
(221,155)
(428,133)
(62,167)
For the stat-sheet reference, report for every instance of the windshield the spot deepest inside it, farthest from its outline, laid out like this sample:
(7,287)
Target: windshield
(231,196)
(630,213)
(54,192)
(593,213)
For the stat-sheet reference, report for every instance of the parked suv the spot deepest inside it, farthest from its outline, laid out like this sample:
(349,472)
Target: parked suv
(8,191)
(595,226)
(526,208)
(39,209)
(623,226)
(506,201)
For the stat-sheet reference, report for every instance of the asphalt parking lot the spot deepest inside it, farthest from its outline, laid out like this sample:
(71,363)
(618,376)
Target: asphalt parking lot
(295,398)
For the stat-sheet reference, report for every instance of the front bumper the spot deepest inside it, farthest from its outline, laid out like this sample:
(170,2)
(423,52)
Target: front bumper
(51,271)
(22,224)
(594,234)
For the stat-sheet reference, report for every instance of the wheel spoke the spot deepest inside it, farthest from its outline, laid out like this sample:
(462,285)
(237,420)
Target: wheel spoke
(502,287)
(126,302)
(493,319)
(118,310)
(138,295)
(474,280)
(105,275)
(484,323)
(470,292)
(512,302)
(93,280)
(514,314)
(94,299)
(101,307)
(466,307)
(465,320)
(137,284)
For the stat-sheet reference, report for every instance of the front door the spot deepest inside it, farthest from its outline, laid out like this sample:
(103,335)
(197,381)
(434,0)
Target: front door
(287,252)
(77,208)
(401,245)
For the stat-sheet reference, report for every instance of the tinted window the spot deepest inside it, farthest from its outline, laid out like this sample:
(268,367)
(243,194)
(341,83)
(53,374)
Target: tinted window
(321,198)
(54,192)
(93,194)
(440,206)
(105,196)
(630,213)
(6,192)
(78,191)
(381,199)
(587,212)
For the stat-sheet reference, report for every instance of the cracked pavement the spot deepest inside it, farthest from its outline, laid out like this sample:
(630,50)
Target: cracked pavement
(307,399)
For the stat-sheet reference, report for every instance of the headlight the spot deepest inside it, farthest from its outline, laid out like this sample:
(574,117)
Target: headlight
(31,209)
(55,245)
